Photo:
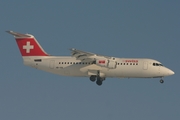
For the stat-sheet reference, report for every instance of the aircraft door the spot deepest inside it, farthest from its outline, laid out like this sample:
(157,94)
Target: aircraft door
(51,64)
(145,65)
(159,69)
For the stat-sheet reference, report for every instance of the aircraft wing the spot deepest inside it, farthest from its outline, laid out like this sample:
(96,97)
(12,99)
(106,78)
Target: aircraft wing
(85,56)
(82,55)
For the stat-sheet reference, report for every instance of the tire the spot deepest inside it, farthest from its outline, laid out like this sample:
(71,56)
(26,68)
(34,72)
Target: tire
(92,78)
(161,81)
(98,82)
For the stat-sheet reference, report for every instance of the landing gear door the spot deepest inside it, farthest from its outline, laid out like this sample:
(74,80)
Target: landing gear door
(145,65)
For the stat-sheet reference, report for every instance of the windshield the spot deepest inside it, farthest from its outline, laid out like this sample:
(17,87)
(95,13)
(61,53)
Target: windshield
(157,64)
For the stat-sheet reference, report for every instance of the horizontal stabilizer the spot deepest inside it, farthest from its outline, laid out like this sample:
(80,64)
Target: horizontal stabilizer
(18,34)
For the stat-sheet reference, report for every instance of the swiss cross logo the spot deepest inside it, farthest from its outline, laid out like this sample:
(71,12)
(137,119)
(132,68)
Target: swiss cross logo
(28,47)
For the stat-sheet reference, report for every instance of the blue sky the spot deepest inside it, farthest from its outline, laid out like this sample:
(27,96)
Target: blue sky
(142,28)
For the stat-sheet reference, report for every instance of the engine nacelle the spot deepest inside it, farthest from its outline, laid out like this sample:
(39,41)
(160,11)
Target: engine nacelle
(111,64)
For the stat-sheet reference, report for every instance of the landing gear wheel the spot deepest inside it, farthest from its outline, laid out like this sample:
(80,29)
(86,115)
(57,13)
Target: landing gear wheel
(92,78)
(98,82)
(161,81)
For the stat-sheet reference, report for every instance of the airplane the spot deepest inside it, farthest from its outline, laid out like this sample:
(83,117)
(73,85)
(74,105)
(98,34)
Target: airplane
(85,64)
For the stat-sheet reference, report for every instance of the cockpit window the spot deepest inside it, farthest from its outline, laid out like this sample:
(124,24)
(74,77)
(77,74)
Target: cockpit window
(157,64)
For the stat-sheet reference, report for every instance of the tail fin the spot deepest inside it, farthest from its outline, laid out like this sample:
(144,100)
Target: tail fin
(28,45)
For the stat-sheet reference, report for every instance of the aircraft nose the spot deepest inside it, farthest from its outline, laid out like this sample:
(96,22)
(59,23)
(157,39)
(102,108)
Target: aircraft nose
(171,72)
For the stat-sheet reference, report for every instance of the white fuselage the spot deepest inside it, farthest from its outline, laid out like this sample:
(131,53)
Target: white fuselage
(124,68)
(86,64)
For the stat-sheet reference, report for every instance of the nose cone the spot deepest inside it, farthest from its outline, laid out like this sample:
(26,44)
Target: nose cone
(166,71)
(171,72)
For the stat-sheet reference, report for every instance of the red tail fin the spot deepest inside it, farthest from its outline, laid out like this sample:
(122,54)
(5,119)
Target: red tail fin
(28,45)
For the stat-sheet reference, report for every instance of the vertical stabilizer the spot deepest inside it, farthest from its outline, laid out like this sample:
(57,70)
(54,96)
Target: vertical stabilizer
(28,45)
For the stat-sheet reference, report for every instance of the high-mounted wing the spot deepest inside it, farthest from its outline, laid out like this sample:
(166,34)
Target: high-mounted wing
(81,55)
(103,61)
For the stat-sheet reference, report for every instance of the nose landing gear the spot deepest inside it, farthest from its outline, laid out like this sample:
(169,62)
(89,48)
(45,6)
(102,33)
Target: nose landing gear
(161,81)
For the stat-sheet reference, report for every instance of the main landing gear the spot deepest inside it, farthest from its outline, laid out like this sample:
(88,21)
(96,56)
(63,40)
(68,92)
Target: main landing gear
(93,78)
(98,79)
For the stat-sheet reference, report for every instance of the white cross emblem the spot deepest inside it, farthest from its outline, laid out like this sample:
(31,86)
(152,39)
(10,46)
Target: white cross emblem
(28,47)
